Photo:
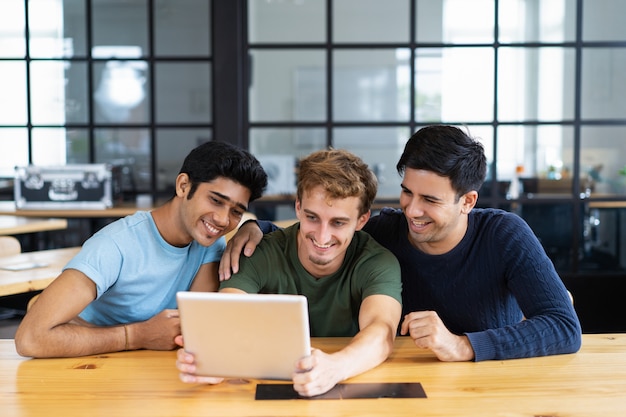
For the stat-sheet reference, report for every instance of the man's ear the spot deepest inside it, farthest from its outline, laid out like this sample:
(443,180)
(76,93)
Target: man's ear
(182,184)
(468,201)
(297,208)
(363,219)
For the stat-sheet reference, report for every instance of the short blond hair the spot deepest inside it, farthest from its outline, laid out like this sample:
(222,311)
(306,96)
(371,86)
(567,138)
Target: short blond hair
(341,174)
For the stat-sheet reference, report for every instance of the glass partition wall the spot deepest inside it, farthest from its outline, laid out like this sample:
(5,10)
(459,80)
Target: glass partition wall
(94,81)
(538,82)
(140,82)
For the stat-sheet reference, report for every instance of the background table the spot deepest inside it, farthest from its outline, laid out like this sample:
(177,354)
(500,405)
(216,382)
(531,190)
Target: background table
(33,279)
(82,223)
(591,382)
(15,225)
(8,207)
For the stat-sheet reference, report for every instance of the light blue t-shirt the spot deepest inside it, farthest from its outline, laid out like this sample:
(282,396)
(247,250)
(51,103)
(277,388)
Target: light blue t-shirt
(136,272)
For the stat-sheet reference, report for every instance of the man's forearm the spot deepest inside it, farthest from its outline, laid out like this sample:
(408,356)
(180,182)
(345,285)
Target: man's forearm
(71,340)
(367,349)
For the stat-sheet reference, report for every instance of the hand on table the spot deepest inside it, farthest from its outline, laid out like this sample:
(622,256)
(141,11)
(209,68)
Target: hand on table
(428,332)
(156,333)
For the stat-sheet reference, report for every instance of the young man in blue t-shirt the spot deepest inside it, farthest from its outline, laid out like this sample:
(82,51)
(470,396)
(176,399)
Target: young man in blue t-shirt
(119,292)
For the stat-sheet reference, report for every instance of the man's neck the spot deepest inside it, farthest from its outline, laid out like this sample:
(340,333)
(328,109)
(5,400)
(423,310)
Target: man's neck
(168,224)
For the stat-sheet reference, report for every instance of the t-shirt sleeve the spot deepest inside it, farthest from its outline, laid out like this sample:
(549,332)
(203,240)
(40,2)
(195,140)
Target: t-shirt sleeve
(247,278)
(100,260)
(383,276)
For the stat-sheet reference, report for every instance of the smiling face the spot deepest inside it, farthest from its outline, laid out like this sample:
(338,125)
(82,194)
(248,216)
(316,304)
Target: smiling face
(326,230)
(215,208)
(437,220)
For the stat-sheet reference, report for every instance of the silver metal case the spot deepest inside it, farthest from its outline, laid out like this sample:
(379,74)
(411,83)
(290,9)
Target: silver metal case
(78,186)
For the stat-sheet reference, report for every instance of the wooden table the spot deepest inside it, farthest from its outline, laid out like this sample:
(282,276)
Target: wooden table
(591,382)
(8,207)
(33,279)
(15,225)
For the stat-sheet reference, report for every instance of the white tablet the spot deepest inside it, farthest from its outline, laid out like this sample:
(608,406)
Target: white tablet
(245,335)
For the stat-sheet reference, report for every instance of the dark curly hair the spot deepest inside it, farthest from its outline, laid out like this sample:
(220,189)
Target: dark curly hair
(220,159)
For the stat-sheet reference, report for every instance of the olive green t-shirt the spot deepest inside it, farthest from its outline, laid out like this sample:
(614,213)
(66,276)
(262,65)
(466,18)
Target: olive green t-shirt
(334,300)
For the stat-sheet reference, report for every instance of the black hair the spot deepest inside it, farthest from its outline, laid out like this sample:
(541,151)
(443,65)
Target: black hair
(449,152)
(220,159)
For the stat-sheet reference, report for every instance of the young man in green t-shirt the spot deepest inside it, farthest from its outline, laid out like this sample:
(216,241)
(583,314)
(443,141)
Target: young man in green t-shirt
(352,283)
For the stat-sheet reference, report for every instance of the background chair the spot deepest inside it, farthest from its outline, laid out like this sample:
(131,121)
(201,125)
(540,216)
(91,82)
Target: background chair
(9,245)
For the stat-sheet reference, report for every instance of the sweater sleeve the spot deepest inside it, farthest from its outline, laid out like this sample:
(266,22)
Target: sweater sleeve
(551,325)
(266,226)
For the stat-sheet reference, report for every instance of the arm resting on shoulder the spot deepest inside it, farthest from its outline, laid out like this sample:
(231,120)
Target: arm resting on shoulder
(244,241)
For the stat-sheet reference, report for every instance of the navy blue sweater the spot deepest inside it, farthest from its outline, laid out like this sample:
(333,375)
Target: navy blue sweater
(498,274)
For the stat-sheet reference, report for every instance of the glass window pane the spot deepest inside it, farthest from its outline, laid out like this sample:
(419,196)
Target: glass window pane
(182,27)
(603,83)
(602,159)
(286,141)
(49,146)
(603,20)
(536,84)
(75,28)
(12,24)
(121,24)
(57,28)
(129,148)
(553,225)
(380,148)
(76,97)
(537,20)
(60,146)
(545,155)
(14,145)
(77,145)
(370,21)
(288,85)
(120,92)
(371,85)
(172,146)
(604,229)
(13,88)
(58,94)
(278,150)
(454,84)
(183,92)
(454,21)
(286,21)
